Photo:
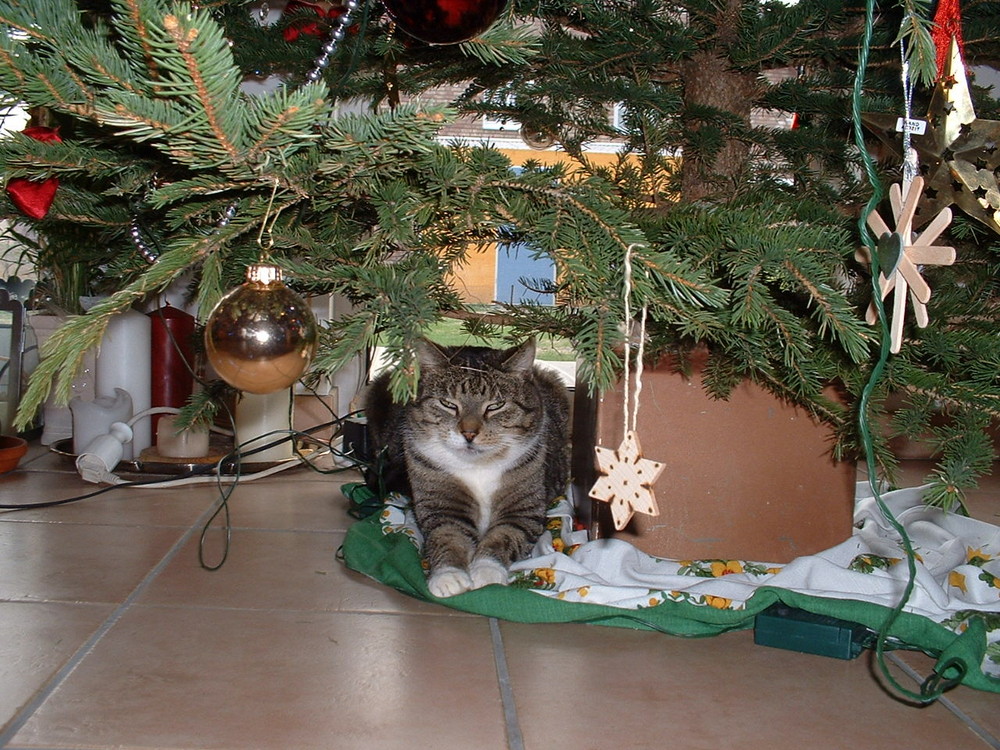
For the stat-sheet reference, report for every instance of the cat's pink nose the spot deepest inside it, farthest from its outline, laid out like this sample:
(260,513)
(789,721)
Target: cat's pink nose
(469,435)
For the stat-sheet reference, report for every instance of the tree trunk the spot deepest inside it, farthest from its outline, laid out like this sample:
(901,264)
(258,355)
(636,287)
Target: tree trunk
(717,103)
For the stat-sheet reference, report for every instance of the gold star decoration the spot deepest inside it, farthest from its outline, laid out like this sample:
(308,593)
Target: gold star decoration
(958,153)
(626,480)
(901,252)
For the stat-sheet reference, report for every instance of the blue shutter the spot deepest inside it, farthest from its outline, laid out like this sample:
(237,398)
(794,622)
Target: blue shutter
(517,268)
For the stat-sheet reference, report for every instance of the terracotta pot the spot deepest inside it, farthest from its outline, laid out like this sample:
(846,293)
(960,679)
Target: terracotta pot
(748,478)
(12,450)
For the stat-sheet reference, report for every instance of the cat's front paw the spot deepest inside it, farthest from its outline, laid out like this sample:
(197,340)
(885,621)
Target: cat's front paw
(486,570)
(449,581)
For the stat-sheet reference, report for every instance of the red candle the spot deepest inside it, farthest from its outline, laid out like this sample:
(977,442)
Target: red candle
(172,356)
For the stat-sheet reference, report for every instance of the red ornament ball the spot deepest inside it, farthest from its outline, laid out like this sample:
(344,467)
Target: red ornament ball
(444,21)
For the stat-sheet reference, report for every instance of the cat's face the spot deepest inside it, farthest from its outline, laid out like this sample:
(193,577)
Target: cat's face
(475,410)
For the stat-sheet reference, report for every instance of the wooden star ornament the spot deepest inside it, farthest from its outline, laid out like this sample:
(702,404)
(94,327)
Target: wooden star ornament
(626,481)
(901,252)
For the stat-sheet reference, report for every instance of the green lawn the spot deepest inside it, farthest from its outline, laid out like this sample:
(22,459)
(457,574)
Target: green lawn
(449,332)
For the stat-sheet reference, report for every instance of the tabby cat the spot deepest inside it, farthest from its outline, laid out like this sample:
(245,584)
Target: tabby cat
(482,450)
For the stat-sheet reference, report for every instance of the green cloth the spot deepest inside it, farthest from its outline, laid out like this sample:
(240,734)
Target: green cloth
(393,559)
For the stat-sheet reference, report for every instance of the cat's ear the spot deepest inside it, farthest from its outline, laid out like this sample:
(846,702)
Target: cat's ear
(429,355)
(521,358)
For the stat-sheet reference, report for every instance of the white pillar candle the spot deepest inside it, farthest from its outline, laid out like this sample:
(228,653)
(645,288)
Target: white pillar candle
(57,420)
(123,361)
(258,414)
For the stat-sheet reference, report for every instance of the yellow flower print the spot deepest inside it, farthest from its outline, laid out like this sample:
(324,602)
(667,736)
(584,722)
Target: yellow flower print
(654,602)
(977,556)
(553,524)
(725,567)
(773,571)
(558,544)
(957,580)
(546,575)
(719,602)
(582,591)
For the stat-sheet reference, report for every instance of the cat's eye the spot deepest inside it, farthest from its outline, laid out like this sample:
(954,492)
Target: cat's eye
(448,404)
(495,406)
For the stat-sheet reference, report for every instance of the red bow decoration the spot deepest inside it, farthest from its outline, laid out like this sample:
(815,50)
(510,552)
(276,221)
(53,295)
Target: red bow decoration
(34,197)
(310,28)
(947,24)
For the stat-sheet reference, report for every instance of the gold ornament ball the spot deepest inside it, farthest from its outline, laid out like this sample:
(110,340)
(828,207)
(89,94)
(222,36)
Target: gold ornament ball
(261,336)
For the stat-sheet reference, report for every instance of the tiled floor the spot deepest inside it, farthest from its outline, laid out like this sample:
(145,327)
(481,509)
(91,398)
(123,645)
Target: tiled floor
(112,635)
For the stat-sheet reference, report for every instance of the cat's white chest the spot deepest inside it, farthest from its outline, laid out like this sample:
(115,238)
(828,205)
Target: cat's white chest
(482,484)
(480,476)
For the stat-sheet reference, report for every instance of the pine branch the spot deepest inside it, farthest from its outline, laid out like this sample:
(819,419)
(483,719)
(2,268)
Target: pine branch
(132,22)
(198,67)
(27,157)
(503,44)
(283,123)
(915,34)
(372,206)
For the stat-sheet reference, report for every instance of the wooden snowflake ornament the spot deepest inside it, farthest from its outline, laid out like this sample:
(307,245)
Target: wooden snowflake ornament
(626,481)
(901,252)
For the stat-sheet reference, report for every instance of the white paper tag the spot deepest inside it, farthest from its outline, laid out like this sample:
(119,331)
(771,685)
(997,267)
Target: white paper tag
(914,127)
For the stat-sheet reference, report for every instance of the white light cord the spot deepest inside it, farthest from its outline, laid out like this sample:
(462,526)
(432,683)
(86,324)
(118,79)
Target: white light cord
(213,478)
(173,411)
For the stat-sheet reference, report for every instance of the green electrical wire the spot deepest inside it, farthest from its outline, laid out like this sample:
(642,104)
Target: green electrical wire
(935,685)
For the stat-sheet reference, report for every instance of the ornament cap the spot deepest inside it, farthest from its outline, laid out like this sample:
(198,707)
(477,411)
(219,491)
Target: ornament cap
(264,274)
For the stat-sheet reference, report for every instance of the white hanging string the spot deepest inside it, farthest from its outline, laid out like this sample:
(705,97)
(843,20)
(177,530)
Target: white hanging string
(640,352)
(631,396)
(627,284)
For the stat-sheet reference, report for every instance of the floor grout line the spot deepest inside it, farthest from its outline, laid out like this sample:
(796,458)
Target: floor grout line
(975,726)
(28,710)
(515,740)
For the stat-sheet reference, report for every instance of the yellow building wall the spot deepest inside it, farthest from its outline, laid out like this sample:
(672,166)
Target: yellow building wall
(475,282)
(519,156)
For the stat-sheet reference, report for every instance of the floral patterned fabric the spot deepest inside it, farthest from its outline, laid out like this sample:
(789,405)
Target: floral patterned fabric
(957,561)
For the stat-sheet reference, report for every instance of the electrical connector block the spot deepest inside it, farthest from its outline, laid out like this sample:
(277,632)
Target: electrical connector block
(781,626)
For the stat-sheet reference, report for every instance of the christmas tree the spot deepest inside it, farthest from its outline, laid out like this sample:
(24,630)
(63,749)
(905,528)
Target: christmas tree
(743,236)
